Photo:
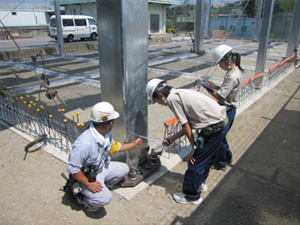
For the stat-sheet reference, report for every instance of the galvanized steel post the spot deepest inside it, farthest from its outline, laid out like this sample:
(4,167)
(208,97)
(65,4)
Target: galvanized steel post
(199,26)
(207,28)
(264,38)
(257,22)
(123,54)
(294,32)
(59,28)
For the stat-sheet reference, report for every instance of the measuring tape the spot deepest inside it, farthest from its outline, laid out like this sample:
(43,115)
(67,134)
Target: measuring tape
(147,138)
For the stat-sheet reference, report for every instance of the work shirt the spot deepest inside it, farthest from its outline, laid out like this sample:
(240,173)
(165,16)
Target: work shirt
(91,148)
(195,108)
(231,87)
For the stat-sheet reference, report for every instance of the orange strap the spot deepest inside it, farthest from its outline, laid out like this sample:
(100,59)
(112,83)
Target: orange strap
(170,122)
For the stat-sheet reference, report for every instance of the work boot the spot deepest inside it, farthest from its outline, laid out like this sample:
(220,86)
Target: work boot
(218,167)
(86,206)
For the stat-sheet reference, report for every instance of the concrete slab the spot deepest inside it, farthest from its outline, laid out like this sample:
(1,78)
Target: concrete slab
(76,78)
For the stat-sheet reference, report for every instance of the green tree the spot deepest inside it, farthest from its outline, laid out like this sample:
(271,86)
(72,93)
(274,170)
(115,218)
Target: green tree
(287,5)
(170,13)
(250,8)
(179,11)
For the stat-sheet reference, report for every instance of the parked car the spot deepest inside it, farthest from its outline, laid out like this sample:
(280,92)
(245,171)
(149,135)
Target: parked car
(74,26)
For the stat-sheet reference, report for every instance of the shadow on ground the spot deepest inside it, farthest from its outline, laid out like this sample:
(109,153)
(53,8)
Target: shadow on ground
(263,186)
(65,200)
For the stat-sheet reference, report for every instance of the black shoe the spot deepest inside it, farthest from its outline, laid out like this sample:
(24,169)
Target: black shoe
(218,167)
(229,161)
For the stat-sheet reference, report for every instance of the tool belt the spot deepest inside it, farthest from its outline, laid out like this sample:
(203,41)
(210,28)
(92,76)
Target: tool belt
(229,108)
(208,131)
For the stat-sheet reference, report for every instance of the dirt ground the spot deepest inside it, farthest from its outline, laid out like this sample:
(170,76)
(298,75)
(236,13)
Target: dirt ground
(260,187)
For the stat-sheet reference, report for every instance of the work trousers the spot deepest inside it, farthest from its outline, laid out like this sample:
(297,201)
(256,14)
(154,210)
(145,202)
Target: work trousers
(197,174)
(224,154)
(110,174)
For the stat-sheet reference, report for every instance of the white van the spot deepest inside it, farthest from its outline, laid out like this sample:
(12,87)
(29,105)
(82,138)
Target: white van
(74,26)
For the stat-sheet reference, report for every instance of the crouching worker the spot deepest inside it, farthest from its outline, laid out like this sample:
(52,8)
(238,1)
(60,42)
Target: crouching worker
(91,153)
(193,110)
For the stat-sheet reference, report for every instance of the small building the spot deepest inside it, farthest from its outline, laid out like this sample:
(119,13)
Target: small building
(156,11)
(25,19)
(217,4)
(25,14)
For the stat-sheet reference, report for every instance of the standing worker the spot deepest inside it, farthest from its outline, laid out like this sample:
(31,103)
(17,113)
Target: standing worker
(193,110)
(227,94)
(91,153)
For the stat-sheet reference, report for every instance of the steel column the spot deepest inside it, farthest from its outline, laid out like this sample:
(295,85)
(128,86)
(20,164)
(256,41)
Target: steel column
(123,55)
(207,28)
(294,32)
(199,26)
(59,28)
(257,22)
(264,37)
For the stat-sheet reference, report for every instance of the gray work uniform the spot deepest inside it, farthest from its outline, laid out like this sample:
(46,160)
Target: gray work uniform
(195,108)
(200,111)
(91,148)
(231,87)
(229,91)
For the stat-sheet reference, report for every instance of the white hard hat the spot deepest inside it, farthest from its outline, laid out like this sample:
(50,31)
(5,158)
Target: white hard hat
(151,86)
(220,51)
(103,111)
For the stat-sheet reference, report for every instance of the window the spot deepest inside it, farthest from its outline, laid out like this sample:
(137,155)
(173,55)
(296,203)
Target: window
(221,27)
(80,22)
(232,28)
(244,28)
(53,22)
(92,22)
(13,13)
(68,22)
(72,11)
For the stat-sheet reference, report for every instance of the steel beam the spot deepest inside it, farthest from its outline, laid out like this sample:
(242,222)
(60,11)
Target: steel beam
(123,55)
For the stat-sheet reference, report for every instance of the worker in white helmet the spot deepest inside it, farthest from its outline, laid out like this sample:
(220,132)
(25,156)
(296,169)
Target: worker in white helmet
(89,161)
(193,110)
(227,94)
